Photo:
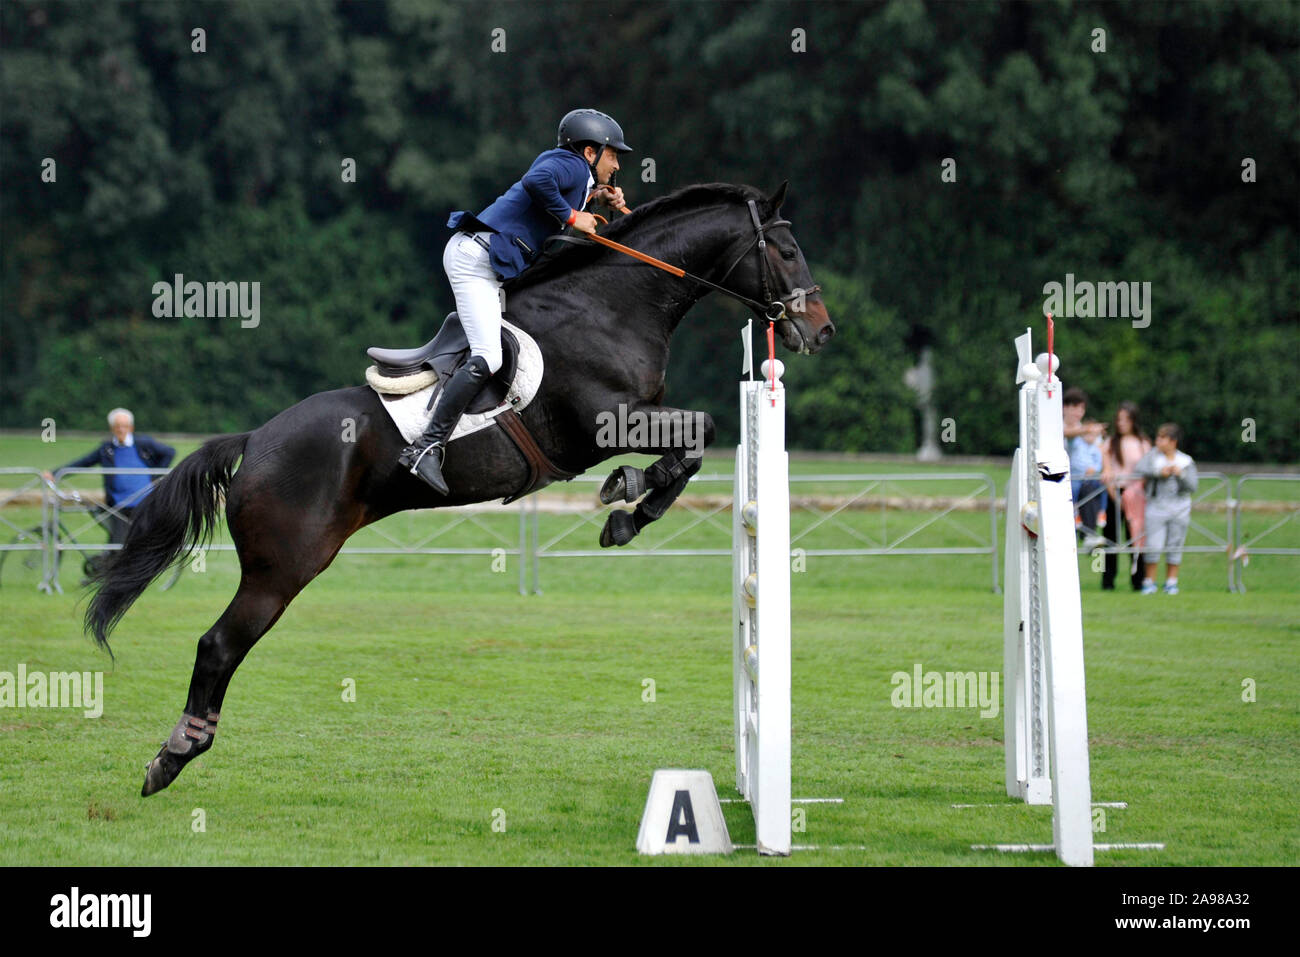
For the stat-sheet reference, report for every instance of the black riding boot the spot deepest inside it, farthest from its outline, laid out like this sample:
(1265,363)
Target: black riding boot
(424,457)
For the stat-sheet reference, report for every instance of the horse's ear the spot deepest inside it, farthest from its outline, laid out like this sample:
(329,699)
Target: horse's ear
(777,198)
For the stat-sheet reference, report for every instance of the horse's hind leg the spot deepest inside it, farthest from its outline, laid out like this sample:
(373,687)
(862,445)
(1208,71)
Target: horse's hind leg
(274,572)
(250,614)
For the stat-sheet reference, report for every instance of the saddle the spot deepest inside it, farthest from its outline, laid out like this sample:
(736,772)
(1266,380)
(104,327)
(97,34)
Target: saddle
(403,372)
(443,355)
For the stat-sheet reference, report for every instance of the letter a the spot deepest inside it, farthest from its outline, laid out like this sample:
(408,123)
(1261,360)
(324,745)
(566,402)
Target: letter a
(682,820)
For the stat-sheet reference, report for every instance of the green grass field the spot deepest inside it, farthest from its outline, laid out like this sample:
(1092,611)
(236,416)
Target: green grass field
(476,705)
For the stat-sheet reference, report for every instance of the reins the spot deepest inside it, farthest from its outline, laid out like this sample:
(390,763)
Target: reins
(772,309)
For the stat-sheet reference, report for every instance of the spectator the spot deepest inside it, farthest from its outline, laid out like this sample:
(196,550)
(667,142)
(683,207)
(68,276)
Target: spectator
(1083,440)
(125,450)
(1120,456)
(1170,479)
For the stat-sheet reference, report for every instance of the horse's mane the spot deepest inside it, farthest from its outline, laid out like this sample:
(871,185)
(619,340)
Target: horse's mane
(562,258)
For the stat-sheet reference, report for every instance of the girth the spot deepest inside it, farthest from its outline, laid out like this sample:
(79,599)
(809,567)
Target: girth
(541,470)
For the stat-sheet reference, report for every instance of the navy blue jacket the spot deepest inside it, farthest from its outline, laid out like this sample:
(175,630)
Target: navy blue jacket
(153,453)
(529,211)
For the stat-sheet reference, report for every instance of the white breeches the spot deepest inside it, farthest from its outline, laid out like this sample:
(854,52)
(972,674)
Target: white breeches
(478,295)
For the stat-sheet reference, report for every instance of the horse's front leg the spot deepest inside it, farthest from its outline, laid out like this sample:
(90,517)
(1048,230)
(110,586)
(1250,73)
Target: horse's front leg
(679,437)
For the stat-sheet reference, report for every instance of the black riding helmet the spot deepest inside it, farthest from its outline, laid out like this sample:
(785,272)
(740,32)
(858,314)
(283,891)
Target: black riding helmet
(590,126)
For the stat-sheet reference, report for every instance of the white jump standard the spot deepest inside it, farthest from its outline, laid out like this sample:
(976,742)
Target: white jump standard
(761,602)
(1045,712)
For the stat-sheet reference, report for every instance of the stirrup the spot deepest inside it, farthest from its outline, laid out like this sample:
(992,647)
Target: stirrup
(415,455)
(419,458)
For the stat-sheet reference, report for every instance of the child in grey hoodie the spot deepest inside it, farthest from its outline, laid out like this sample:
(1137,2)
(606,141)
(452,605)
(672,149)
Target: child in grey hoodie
(1170,479)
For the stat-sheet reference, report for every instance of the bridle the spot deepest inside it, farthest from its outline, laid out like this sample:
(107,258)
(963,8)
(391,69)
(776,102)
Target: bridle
(771,309)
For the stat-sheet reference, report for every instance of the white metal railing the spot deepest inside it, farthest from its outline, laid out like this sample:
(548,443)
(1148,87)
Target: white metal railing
(32,538)
(707,514)
(57,532)
(1241,549)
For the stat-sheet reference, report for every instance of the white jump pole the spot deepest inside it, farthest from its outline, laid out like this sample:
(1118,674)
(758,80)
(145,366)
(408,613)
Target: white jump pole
(1045,710)
(761,608)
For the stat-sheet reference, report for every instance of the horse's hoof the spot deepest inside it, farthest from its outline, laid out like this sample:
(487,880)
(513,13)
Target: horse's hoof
(626,483)
(160,772)
(619,529)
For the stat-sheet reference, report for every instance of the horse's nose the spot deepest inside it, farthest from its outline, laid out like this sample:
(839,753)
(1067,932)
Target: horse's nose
(827,331)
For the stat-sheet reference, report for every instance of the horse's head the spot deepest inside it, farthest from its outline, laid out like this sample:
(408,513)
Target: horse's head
(710,229)
(781,277)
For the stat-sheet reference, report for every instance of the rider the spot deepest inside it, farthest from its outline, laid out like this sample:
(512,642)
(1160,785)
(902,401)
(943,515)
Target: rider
(500,243)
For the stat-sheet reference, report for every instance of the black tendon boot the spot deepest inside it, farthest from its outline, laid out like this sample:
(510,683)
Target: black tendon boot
(424,457)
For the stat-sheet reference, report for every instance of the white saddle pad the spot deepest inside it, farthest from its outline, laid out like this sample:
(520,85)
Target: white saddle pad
(408,411)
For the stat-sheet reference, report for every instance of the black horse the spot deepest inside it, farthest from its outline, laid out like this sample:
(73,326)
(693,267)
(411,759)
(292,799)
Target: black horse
(603,322)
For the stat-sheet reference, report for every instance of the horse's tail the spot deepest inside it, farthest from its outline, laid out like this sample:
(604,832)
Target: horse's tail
(178,516)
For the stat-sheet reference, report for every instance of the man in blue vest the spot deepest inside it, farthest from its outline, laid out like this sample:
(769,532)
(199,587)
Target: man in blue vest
(125,450)
(501,242)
